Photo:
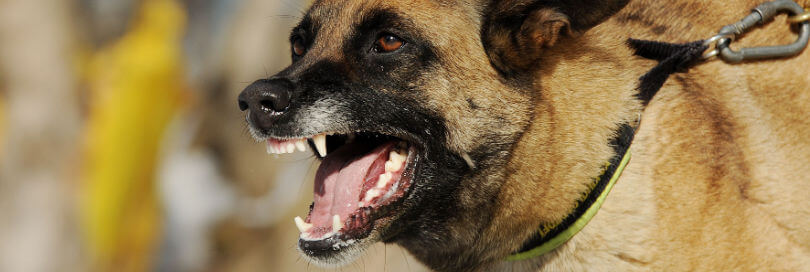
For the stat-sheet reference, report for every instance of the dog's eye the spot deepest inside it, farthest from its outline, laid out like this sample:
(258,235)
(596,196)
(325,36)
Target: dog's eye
(298,48)
(388,43)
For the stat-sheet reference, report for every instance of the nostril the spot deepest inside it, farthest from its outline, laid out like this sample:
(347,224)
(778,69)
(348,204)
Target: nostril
(243,106)
(276,100)
(267,105)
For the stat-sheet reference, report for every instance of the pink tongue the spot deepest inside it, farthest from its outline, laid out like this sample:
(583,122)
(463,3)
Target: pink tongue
(339,182)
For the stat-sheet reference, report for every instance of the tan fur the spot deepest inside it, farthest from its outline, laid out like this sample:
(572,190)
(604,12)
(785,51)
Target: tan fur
(720,174)
(721,163)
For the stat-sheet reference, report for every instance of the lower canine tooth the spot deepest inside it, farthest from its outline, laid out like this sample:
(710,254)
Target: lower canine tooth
(302,226)
(336,224)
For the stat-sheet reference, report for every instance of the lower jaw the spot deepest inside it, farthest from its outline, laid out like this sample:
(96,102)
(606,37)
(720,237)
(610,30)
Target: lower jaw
(343,247)
(372,221)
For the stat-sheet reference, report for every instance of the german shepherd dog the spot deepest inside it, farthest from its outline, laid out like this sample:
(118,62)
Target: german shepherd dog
(458,129)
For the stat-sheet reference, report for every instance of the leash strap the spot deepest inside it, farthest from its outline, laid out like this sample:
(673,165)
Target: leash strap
(672,58)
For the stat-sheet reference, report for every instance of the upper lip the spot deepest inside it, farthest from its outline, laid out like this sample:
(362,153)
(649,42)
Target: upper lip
(408,137)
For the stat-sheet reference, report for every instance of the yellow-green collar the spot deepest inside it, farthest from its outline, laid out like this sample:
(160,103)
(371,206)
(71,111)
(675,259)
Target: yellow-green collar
(547,244)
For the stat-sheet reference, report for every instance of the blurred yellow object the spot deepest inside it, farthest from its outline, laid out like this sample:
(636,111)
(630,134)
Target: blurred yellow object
(137,87)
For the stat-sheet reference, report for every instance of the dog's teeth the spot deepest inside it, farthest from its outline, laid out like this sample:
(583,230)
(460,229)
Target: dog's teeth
(269,147)
(397,157)
(336,224)
(384,179)
(395,162)
(320,144)
(274,149)
(302,226)
(371,194)
(393,166)
(290,147)
(301,145)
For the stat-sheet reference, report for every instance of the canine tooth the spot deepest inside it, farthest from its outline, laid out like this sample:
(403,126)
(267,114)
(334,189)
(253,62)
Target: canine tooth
(320,144)
(301,145)
(336,224)
(302,226)
(384,179)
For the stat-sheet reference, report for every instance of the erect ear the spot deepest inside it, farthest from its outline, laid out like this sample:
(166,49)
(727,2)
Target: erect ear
(515,32)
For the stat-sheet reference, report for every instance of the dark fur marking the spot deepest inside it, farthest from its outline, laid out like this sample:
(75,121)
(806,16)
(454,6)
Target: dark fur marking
(635,17)
(472,104)
(659,29)
(723,147)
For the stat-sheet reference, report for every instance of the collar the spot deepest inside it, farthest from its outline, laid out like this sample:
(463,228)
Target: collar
(551,236)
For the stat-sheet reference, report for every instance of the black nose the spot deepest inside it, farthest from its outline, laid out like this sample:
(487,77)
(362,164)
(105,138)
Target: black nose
(266,95)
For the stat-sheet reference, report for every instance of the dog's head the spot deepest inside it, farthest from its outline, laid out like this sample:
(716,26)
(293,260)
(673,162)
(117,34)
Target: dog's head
(415,108)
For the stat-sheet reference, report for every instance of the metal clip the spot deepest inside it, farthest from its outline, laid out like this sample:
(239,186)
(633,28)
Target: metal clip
(761,15)
(800,18)
(716,40)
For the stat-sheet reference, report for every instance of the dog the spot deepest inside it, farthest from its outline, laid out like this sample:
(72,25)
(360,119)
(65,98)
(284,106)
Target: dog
(462,129)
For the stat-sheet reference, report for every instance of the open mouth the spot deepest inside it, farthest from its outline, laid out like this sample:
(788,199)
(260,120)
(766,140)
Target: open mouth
(362,179)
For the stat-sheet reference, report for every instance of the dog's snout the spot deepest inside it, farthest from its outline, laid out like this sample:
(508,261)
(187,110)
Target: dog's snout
(269,96)
(266,101)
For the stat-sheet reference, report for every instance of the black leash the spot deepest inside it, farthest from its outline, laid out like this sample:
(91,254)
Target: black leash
(678,58)
(672,58)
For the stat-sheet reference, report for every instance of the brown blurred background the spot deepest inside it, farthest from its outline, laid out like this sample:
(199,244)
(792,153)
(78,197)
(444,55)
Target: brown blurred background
(122,148)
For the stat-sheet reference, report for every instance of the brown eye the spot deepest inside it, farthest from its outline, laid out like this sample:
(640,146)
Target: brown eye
(298,47)
(388,43)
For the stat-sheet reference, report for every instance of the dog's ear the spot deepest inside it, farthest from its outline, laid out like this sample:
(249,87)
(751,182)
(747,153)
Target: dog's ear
(515,32)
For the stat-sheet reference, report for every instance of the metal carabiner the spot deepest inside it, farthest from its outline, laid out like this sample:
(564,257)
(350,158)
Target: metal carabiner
(761,14)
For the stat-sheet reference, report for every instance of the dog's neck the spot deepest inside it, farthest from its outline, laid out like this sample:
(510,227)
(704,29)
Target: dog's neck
(549,237)
(551,176)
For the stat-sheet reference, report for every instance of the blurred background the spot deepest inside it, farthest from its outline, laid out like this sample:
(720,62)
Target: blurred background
(122,147)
